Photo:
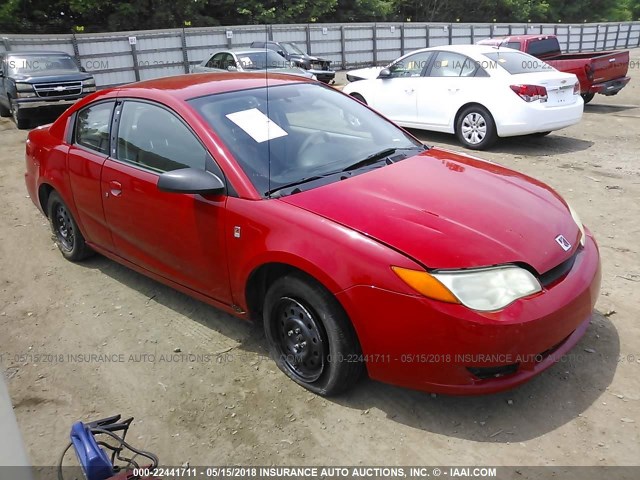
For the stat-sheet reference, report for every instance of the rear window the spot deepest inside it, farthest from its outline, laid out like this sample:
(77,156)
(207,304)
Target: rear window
(518,62)
(544,47)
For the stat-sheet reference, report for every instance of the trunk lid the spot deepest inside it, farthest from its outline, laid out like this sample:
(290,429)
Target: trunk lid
(559,86)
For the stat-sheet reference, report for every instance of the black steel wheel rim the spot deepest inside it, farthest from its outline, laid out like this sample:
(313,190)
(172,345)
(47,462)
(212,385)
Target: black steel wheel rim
(299,337)
(63,227)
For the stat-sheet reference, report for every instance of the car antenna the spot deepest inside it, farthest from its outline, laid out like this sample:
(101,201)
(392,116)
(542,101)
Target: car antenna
(266,78)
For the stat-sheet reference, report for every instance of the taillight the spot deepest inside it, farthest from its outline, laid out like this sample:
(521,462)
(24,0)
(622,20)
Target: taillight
(576,88)
(530,93)
(589,72)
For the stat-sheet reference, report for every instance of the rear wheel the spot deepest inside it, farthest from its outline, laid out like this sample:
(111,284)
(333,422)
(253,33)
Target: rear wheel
(310,337)
(587,97)
(475,128)
(359,97)
(68,237)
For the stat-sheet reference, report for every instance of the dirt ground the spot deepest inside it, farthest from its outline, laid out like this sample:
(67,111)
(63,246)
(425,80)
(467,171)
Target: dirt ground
(228,404)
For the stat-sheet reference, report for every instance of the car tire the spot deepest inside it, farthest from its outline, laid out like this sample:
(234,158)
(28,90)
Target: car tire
(19,120)
(4,111)
(587,97)
(475,128)
(67,235)
(310,336)
(359,97)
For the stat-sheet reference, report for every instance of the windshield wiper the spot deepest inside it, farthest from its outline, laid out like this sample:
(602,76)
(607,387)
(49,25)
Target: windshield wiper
(296,183)
(373,158)
(376,157)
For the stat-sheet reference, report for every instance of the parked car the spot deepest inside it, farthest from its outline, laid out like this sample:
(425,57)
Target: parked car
(285,200)
(320,67)
(38,84)
(478,92)
(598,72)
(249,60)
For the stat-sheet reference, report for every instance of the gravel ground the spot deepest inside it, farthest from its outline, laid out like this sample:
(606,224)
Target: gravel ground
(232,406)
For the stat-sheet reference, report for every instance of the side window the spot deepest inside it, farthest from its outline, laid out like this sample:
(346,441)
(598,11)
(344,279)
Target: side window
(216,61)
(411,66)
(229,61)
(154,138)
(449,64)
(92,127)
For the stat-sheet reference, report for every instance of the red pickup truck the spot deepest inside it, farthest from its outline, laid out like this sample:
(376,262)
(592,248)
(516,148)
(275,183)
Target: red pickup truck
(598,72)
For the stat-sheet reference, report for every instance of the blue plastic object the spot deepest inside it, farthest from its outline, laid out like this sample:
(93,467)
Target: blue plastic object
(93,459)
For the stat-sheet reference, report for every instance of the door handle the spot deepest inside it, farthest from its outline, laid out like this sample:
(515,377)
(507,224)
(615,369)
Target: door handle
(453,90)
(115,188)
(409,91)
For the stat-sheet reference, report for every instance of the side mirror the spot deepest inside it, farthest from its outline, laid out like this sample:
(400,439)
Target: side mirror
(191,180)
(232,68)
(83,70)
(282,53)
(1,74)
(384,73)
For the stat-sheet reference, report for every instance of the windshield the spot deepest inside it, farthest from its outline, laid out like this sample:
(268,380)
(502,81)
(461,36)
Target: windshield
(26,64)
(518,62)
(304,132)
(265,59)
(293,48)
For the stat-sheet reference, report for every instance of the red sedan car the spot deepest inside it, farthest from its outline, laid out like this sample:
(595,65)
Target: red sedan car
(282,199)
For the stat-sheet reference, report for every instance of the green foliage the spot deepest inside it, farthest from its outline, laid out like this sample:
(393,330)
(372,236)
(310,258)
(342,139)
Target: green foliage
(110,15)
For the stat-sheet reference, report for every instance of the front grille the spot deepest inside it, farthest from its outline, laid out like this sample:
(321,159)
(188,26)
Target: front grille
(320,66)
(58,89)
(559,271)
(484,373)
(542,355)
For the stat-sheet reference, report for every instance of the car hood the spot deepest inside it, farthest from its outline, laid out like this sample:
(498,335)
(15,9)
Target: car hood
(448,210)
(370,73)
(51,76)
(306,57)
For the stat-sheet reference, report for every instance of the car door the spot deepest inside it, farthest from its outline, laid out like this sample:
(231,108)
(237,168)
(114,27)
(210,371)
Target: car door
(450,80)
(178,236)
(395,96)
(87,154)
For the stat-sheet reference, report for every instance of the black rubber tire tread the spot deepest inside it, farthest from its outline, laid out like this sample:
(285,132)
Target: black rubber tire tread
(80,249)
(337,376)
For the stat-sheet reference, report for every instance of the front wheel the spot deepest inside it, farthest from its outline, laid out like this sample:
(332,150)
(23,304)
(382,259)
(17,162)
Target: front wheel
(475,128)
(310,337)
(20,121)
(587,97)
(67,235)
(4,111)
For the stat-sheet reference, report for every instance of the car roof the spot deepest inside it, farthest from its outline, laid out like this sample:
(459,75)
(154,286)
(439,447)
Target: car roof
(240,51)
(195,85)
(466,49)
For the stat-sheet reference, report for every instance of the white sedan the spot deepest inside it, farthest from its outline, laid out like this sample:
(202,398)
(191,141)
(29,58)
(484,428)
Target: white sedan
(478,92)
